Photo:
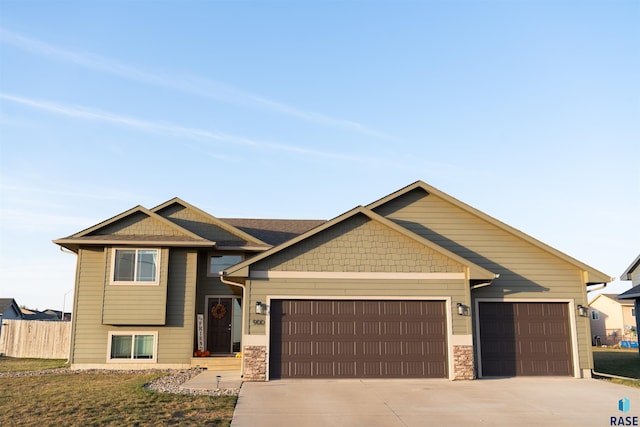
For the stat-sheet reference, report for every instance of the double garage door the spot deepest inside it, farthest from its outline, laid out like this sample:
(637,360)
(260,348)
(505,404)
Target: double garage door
(358,339)
(408,339)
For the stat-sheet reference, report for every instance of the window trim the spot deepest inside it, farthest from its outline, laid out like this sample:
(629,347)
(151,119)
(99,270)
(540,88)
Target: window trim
(220,254)
(133,334)
(112,280)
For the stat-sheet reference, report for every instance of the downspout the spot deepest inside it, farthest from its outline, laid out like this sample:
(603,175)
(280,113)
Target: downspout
(244,305)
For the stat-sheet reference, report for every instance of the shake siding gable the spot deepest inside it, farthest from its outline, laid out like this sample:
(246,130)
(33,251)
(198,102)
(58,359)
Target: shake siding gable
(138,224)
(359,244)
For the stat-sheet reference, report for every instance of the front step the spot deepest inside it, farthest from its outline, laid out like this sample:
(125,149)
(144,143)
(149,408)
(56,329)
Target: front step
(217,363)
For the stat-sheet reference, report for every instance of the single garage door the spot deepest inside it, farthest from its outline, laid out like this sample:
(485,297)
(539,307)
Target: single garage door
(358,339)
(525,338)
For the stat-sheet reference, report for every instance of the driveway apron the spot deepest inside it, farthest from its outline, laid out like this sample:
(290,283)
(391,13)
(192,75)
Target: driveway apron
(389,403)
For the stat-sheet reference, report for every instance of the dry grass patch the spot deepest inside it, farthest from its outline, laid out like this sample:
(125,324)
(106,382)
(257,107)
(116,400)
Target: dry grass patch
(105,399)
(12,364)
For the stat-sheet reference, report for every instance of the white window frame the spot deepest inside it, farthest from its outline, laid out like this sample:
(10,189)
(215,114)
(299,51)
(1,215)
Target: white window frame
(595,315)
(134,282)
(133,334)
(220,254)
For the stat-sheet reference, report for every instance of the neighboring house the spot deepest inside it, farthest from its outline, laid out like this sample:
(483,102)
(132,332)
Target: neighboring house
(9,310)
(416,284)
(633,273)
(612,320)
(46,315)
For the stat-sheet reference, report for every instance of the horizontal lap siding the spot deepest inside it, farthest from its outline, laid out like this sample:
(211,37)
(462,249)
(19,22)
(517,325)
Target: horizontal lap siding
(526,271)
(456,289)
(136,304)
(175,340)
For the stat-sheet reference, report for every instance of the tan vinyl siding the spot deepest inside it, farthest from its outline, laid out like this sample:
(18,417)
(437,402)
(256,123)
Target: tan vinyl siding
(391,289)
(526,271)
(136,304)
(90,340)
(175,340)
(359,245)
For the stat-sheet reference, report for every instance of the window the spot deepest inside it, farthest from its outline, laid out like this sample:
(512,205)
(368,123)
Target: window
(135,266)
(633,312)
(128,346)
(218,263)
(595,315)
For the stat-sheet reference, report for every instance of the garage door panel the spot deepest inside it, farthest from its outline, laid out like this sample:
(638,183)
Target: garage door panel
(524,339)
(367,339)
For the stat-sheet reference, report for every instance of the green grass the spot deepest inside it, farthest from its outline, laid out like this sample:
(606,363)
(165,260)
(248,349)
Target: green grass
(623,363)
(74,399)
(12,364)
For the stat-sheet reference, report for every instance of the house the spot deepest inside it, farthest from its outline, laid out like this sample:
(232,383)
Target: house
(9,310)
(612,320)
(633,273)
(416,284)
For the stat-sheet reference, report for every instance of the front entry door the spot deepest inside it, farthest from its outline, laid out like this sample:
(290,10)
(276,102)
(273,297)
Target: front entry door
(219,328)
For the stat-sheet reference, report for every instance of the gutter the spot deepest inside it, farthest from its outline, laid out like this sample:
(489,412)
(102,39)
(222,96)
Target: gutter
(482,285)
(597,288)
(221,275)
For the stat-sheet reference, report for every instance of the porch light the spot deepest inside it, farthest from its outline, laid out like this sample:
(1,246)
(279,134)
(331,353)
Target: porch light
(583,311)
(463,310)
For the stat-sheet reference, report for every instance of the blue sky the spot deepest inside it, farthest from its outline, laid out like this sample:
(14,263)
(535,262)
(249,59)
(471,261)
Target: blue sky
(526,110)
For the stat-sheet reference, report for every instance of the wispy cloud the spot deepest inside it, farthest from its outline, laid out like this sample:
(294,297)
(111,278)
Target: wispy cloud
(80,112)
(192,85)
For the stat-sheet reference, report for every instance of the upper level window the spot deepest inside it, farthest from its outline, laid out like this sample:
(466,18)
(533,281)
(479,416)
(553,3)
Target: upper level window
(218,263)
(131,266)
(595,315)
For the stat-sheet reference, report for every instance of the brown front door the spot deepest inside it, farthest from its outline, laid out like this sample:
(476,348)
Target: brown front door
(219,328)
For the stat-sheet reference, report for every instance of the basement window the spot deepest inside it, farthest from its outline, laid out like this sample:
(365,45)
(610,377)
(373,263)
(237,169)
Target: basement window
(132,346)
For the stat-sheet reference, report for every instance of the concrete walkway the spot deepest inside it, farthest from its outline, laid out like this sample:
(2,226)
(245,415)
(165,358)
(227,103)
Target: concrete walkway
(402,403)
(208,380)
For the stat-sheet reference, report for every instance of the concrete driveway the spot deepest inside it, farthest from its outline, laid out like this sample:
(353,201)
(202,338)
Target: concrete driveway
(388,403)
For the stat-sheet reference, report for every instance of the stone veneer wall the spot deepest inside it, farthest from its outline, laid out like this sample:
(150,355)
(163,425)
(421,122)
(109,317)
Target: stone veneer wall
(255,363)
(463,362)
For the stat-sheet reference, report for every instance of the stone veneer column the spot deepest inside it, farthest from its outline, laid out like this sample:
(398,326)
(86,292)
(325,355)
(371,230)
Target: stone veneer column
(463,362)
(255,363)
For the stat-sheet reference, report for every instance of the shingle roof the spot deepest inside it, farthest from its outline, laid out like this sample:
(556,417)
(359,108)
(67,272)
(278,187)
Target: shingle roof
(274,231)
(5,303)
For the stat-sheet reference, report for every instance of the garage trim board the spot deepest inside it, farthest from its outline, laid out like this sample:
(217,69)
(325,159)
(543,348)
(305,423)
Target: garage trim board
(572,328)
(447,307)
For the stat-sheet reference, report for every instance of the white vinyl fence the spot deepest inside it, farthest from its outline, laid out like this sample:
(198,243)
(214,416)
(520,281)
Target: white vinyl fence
(35,338)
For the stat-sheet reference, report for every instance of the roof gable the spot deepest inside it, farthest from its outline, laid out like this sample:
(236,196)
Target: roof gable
(135,226)
(362,223)
(594,276)
(206,225)
(628,273)
(609,298)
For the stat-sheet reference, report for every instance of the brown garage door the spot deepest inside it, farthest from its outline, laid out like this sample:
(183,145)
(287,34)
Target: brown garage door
(357,339)
(526,339)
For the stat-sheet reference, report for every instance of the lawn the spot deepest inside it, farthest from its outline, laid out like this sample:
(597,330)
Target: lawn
(624,363)
(102,399)
(11,364)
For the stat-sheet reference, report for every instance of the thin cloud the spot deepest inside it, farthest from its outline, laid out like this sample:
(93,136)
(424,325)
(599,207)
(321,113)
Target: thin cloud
(80,112)
(206,88)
